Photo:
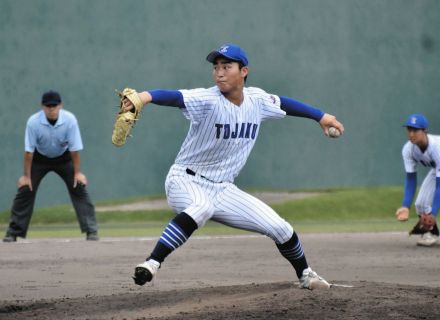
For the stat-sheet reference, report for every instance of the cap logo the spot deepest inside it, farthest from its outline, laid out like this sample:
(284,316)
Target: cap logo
(413,120)
(223,49)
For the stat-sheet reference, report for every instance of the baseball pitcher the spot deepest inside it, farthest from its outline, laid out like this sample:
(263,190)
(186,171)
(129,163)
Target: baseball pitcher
(225,122)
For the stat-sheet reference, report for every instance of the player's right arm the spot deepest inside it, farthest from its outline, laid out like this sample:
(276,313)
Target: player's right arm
(410,186)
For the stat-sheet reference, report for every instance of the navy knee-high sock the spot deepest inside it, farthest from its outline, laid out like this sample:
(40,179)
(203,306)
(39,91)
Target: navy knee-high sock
(175,234)
(293,252)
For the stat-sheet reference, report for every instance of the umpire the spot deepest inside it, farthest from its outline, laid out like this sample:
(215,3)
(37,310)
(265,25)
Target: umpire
(52,143)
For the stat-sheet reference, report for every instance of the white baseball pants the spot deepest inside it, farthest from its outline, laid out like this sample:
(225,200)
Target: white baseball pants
(223,202)
(425,197)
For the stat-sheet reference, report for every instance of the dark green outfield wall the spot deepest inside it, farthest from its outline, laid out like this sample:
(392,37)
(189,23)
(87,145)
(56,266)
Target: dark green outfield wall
(370,62)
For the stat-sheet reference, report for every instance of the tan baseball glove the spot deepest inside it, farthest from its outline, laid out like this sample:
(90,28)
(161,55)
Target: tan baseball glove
(126,120)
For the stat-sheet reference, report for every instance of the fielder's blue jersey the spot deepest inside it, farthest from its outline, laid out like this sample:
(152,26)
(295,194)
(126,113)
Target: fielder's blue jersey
(52,140)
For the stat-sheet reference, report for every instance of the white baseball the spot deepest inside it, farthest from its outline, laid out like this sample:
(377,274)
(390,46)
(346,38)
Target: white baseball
(333,132)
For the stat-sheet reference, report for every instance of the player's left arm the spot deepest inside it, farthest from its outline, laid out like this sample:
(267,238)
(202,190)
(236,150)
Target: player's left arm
(436,201)
(78,176)
(299,109)
(428,220)
(75,145)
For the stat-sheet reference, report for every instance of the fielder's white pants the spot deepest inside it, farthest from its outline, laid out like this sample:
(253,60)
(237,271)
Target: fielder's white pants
(426,194)
(223,202)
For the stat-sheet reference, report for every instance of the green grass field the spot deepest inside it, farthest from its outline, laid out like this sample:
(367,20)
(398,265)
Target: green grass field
(335,210)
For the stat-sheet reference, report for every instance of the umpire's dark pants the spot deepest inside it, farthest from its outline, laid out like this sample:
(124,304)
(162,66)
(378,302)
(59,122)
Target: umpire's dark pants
(24,201)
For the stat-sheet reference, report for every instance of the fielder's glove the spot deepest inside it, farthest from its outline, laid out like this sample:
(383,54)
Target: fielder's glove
(126,120)
(426,223)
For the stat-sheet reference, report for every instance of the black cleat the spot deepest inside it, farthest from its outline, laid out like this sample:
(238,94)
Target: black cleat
(145,272)
(10,238)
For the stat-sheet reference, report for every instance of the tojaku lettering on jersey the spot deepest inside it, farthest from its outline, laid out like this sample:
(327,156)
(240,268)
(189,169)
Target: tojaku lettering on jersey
(243,130)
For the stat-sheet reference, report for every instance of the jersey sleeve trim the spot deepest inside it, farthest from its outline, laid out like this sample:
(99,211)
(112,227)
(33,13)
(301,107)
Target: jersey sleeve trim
(436,199)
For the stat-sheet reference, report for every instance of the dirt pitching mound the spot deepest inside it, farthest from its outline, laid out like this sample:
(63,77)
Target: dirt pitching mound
(376,276)
(366,300)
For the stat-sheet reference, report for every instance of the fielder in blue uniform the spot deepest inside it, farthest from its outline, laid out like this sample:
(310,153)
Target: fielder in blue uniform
(52,143)
(421,149)
(225,122)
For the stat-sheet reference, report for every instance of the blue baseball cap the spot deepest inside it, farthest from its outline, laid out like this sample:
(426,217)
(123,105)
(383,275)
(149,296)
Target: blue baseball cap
(229,51)
(417,121)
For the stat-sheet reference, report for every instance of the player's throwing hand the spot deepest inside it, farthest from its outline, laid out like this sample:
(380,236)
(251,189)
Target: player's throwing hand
(327,121)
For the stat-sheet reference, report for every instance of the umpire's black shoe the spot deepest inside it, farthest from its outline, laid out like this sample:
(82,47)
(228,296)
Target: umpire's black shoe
(10,238)
(92,236)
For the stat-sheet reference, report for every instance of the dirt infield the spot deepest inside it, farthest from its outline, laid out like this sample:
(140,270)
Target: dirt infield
(377,276)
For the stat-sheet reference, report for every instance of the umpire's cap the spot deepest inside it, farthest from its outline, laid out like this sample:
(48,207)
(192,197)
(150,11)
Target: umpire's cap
(229,51)
(417,121)
(50,98)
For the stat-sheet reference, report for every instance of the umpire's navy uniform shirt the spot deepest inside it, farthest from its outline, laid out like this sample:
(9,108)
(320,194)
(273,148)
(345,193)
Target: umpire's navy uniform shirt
(52,140)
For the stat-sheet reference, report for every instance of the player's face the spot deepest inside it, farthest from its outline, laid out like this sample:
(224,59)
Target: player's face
(228,75)
(52,112)
(416,136)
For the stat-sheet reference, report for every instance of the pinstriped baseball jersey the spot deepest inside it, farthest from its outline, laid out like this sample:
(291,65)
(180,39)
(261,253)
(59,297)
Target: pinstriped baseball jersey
(221,134)
(412,155)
